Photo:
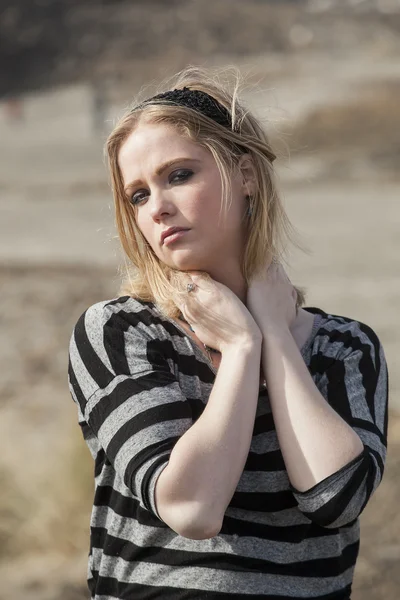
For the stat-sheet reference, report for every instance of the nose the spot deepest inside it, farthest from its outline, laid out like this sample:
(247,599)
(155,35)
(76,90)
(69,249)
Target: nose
(160,204)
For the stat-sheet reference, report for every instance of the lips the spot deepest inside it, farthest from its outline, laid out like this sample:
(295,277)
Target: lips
(170,231)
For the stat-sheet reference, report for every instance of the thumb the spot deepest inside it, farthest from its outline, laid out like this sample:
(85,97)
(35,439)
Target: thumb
(196,277)
(201,279)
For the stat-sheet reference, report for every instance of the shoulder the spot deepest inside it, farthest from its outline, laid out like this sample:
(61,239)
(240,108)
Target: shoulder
(121,313)
(114,338)
(339,337)
(113,328)
(349,368)
(122,305)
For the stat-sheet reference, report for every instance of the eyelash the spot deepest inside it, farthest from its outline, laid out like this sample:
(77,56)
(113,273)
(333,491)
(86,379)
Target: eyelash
(182,175)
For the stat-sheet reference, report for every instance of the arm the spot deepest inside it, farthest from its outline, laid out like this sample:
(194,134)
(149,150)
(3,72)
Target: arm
(129,398)
(334,445)
(195,488)
(315,441)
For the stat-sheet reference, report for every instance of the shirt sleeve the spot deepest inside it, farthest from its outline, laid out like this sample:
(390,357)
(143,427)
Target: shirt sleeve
(121,377)
(356,386)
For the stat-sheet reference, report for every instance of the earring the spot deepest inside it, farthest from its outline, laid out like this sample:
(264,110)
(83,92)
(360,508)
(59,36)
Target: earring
(249,211)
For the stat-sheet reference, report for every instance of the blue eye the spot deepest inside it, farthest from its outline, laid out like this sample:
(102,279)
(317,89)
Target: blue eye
(180,175)
(138,196)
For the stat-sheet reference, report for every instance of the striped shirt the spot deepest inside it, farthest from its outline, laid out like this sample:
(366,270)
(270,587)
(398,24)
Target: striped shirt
(139,382)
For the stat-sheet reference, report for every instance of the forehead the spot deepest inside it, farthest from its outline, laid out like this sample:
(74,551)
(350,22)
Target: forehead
(151,145)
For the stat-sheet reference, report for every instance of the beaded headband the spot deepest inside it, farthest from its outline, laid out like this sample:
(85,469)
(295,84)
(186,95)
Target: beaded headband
(196,100)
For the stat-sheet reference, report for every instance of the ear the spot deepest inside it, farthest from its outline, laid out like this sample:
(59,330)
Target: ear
(247,174)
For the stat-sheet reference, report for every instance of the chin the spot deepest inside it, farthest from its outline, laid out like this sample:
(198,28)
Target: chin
(188,263)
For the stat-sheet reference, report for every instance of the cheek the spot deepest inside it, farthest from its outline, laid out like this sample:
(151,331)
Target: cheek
(145,230)
(204,210)
(207,198)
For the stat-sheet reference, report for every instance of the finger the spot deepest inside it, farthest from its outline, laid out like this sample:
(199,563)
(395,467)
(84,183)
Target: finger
(187,315)
(193,280)
(191,287)
(195,274)
(202,281)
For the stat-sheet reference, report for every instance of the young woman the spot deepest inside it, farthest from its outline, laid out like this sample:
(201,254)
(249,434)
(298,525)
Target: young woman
(237,435)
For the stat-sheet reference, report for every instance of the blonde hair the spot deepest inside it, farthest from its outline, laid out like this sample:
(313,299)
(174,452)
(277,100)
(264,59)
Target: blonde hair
(267,229)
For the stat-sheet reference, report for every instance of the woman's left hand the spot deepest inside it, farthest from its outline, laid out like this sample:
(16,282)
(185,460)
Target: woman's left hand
(271,299)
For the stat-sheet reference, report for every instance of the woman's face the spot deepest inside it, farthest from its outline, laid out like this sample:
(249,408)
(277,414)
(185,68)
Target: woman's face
(172,181)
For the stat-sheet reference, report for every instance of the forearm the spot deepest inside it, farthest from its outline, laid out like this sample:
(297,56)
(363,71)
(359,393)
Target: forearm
(204,468)
(315,441)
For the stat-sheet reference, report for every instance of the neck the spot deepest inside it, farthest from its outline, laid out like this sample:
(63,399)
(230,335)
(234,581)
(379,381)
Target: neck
(301,326)
(232,279)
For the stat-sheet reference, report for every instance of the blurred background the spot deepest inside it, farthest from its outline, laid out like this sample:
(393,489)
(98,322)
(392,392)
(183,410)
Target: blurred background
(324,78)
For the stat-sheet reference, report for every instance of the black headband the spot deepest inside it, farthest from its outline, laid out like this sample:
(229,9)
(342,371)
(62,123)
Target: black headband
(200,102)
(196,100)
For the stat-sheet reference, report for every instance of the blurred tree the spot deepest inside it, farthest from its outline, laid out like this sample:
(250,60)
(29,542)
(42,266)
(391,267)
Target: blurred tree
(46,42)
(31,34)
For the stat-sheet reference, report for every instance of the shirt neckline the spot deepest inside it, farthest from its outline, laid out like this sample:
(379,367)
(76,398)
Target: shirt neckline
(193,343)
(318,316)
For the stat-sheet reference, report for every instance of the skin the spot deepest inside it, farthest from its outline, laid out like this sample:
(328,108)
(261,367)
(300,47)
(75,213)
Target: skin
(193,203)
(175,198)
(315,441)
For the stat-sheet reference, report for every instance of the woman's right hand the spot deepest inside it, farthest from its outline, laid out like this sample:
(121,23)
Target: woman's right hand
(217,316)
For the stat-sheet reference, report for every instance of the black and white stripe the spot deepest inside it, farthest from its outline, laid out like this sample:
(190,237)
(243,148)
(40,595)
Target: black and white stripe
(139,383)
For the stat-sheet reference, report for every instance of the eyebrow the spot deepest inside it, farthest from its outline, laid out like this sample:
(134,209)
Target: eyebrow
(160,170)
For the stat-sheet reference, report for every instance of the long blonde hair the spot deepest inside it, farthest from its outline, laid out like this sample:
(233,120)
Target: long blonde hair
(267,228)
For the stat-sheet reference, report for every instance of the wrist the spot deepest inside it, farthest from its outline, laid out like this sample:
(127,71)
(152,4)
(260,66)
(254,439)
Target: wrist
(274,330)
(244,345)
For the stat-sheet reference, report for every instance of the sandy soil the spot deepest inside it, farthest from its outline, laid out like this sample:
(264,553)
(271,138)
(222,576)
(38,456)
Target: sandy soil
(58,255)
